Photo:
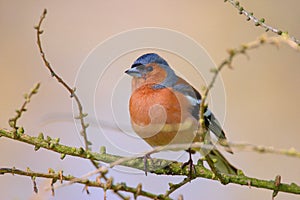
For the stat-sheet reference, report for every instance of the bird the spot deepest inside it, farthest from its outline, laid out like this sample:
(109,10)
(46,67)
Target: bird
(164,110)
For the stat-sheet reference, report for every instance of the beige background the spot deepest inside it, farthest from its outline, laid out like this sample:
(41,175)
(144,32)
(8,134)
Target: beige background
(262,93)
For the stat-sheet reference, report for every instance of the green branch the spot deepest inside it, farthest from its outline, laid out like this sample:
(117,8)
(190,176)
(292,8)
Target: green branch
(13,121)
(159,166)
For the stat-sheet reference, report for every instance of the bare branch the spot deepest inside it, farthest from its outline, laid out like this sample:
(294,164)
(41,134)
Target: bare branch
(292,152)
(82,115)
(86,182)
(241,50)
(261,22)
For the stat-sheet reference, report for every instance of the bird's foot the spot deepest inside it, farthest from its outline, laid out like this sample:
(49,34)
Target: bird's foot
(145,158)
(190,164)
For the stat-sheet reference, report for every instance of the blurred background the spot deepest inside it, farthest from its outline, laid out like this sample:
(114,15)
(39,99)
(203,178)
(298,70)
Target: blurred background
(262,90)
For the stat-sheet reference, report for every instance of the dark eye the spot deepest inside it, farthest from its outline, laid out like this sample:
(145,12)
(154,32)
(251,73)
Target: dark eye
(149,68)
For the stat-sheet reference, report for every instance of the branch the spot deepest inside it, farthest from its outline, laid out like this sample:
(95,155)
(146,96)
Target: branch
(13,121)
(228,62)
(108,185)
(292,152)
(82,115)
(261,22)
(242,50)
(174,187)
(159,166)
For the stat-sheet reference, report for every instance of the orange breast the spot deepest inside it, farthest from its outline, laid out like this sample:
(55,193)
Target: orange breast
(157,116)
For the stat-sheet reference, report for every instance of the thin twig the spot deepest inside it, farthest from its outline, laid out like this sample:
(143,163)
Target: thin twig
(82,115)
(13,121)
(261,22)
(174,187)
(241,50)
(275,40)
(292,152)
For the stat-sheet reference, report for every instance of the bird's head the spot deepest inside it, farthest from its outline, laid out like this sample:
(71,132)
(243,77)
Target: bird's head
(151,68)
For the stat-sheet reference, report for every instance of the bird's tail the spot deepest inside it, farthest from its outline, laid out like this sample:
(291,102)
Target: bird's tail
(220,162)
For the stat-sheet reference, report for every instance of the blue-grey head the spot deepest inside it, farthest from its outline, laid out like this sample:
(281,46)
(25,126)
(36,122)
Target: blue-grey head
(153,68)
(150,58)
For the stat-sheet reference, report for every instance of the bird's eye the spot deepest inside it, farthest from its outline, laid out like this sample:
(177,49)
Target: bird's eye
(149,68)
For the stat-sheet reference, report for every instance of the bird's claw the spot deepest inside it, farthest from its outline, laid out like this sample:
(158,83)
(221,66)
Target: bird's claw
(190,164)
(145,158)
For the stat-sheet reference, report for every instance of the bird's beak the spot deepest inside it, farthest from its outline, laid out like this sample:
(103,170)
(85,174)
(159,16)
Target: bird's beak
(134,72)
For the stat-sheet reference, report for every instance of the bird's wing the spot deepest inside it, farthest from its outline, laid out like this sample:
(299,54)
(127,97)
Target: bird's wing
(194,98)
(213,124)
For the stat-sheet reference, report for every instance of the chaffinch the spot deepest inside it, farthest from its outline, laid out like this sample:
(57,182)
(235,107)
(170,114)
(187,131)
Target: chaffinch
(164,108)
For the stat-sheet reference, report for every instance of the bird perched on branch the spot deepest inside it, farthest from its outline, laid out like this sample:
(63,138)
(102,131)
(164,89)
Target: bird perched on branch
(164,109)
